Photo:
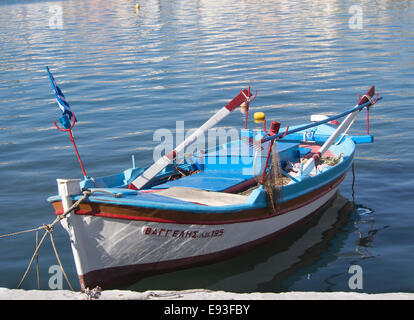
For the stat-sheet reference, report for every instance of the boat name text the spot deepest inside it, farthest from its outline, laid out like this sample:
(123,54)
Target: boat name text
(161,232)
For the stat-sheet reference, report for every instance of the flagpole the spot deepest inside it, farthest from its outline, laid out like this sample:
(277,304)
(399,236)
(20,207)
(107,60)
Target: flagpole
(73,142)
(67,115)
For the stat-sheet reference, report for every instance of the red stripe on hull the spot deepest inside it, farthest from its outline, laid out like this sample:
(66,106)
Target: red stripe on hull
(295,205)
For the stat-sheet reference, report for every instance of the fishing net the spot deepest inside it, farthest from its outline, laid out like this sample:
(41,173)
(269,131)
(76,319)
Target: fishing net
(331,161)
(273,181)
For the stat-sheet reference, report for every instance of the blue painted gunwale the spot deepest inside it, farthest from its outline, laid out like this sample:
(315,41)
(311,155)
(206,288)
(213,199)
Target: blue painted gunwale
(256,200)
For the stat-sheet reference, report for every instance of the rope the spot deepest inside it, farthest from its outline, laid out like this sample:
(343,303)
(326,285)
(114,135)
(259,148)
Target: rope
(60,217)
(58,259)
(353,183)
(346,131)
(20,232)
(370,99)
(48,230)
(172,294)
(31,260)
(37,263)
(116,195)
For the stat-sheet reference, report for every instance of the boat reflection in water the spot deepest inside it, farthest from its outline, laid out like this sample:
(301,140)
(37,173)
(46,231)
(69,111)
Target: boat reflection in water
(280,263)
(364,226)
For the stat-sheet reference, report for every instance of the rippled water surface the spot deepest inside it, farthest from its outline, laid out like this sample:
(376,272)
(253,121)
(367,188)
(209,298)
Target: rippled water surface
(128,73)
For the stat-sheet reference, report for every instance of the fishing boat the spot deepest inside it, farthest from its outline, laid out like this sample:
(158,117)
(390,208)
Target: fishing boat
(187,210)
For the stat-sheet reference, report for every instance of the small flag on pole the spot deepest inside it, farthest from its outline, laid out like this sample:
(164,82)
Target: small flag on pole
(67,113)
(60,98)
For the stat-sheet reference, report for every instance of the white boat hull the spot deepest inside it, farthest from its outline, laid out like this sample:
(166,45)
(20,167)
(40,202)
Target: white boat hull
(109,252)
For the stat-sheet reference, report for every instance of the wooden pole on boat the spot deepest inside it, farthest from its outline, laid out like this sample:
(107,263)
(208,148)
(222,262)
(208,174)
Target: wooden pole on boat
(161,163)
(358,107)
(343,127)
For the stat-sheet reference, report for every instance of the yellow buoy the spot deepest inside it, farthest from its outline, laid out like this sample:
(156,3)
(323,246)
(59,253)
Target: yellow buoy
(137,7)
(259,117)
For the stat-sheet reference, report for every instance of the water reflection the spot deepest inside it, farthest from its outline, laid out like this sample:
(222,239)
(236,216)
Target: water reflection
(365,241)
(364,223)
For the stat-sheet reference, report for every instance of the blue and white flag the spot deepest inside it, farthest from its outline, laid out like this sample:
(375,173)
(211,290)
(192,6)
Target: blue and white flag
(60,98)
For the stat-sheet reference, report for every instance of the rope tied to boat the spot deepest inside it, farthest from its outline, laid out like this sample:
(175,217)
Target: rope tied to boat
(116,195)
(49,231)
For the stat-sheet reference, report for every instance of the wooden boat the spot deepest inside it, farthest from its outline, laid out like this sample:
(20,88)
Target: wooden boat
(217,204)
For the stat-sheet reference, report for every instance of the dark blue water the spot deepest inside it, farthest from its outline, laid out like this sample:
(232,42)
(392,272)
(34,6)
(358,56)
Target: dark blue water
(128,73)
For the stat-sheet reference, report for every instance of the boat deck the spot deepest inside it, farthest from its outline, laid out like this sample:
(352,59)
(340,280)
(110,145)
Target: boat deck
(217,181)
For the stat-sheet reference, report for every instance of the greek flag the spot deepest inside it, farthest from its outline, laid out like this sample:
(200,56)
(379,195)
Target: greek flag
(60,98)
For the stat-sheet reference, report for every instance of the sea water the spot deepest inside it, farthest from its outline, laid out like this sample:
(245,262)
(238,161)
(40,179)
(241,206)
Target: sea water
(127,73)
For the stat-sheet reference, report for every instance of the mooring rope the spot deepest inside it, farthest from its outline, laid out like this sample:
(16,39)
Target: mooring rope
(58,259)
(172,294)
(49,230)
(353,183)
(31,260)
(86,193)
(37,263)
(20,232)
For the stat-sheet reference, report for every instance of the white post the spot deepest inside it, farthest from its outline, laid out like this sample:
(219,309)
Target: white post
(72,224)
(67,188)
